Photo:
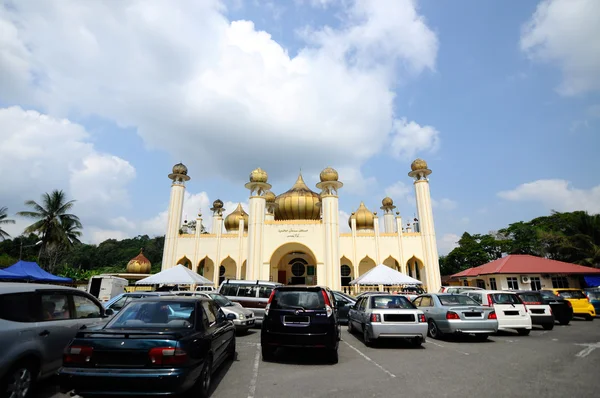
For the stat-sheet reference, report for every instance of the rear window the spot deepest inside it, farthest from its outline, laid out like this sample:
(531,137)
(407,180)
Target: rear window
(529,298)
(505,298)
(19,307)
(160,314)
(305,300)
(381,302)
(457,300)
(572,294)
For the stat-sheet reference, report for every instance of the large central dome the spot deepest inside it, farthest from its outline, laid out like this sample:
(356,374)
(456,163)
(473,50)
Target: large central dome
(299,203)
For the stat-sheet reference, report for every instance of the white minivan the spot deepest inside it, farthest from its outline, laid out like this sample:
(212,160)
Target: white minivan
(510,310)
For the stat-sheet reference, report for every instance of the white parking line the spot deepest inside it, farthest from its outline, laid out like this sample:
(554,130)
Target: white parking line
(588,350)
(254,373)
(370,360)
(450,348)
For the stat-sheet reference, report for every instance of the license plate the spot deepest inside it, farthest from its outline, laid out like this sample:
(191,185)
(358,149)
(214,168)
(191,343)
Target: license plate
(511,312)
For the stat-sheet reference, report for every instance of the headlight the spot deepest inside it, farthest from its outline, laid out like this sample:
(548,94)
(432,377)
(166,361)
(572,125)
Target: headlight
(241,316)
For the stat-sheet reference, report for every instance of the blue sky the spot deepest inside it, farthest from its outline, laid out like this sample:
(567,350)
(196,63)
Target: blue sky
(501,99)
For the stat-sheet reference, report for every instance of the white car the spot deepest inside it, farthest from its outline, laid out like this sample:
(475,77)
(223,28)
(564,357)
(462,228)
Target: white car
(510,310)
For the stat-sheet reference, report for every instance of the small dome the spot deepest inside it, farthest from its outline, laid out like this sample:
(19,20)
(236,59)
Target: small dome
(218,204)
(298,203)
(329,174)
(418,164)
(232,221)
(364,218)
(258,175)
(270,197)
(139,264)
(180,168)
(387,202)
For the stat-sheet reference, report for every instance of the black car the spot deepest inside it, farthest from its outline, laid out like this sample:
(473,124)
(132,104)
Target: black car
(343,304)
(155,346)
(561,308)
(300,316)
(541,312)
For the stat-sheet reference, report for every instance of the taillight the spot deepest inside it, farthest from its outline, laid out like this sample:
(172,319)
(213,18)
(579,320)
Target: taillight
(492,315)
(167,356)
(569,304)
(327,303)
(452,315)
(490,302)
(269,302)
(375,318)
(551,313)
(531,303)
(77,354)
(422,318)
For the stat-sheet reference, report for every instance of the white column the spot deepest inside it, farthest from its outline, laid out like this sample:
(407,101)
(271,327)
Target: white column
(377,245)
(331,233)
(388,223)
(424,209)
(400,245)
(256,219)
(173,225)
(238,273)
(217,224)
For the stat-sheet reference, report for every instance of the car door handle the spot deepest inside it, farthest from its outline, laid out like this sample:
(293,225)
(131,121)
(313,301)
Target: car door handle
(44,333)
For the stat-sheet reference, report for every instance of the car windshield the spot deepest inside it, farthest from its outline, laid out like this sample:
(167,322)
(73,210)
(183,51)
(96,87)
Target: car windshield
(391,301)
(572,294)
(505,298)
(304,299)
(457,300)
(529,298)
(155,314)
(221,300)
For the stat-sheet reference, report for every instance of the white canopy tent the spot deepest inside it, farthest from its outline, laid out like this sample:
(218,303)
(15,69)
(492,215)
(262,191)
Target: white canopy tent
(178,275)
(384,275)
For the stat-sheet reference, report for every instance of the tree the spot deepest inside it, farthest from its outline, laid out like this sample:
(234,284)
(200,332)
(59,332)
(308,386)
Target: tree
(583,240)
(4,220)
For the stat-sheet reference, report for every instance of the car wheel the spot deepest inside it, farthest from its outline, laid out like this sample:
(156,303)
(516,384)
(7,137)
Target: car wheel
(268,353)
(433,330)
(416,342)
(523,332)
(202,387)
(19,381)
(366,337)
(231,349)
(333,356)
(350,328)
(481,336)
(589,318)
(548,326)
(564,322)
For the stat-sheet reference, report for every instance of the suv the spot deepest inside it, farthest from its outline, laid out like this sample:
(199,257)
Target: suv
(251,294)
(300,316)
(38,322)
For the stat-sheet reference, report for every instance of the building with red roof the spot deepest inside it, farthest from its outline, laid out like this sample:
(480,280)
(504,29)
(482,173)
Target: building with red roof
(526,272)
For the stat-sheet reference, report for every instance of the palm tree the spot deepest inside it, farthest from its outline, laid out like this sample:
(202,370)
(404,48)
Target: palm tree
(54,224)
(3,220)
(584,239)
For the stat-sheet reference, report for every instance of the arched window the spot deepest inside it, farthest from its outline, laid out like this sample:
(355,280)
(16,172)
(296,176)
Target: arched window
(345,270)
(222,270)
(298,269)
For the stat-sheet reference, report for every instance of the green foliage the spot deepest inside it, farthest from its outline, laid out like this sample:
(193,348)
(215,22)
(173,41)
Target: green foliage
(4,220)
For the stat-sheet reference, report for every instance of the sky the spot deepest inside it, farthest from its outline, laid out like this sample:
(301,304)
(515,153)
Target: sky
(101,99)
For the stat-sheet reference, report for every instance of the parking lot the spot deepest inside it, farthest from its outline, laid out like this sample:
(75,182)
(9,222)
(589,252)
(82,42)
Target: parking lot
(558,363)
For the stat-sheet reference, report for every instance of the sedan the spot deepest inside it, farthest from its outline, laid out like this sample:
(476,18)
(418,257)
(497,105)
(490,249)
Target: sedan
(145,350)
(380,316)
(456,314)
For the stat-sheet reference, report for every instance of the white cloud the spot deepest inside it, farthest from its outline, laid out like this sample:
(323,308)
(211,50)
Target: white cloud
(447,242)
(188,90)
(355,182)
(556,195)
(444,204)
(565,32)
(344,217)
(400,192)
(409,138)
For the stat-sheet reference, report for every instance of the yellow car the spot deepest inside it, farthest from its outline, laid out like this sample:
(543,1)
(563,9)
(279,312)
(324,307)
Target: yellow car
(581,303)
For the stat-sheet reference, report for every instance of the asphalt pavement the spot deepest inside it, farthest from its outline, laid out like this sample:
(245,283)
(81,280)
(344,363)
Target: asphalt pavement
(560,363)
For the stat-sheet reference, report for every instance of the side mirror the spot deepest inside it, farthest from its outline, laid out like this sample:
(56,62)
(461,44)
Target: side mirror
(108,312)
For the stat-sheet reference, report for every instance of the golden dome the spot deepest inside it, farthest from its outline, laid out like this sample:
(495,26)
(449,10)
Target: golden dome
(180,168)
(387,202)
(329,174)
(232,221)
(270,197)
(299,203)
(258,175)
(139,264)
(364,218)
(218,204)
(418,164)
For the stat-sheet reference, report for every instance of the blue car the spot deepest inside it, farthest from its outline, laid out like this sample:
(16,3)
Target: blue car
(593,294)
(155,346)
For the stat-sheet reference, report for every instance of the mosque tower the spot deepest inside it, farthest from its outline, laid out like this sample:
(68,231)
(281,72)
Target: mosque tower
(258,187)
(179,177)
(387,205)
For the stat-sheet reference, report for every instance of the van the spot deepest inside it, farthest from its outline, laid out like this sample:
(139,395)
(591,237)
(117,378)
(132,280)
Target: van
(251,294)
(510,310)
(105,287)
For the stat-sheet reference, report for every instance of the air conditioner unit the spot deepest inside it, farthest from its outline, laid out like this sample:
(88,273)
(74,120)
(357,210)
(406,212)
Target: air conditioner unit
(525,279)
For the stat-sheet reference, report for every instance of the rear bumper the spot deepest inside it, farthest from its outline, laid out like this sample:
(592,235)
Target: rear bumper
(459,326)
(515,323)
(119,382)
(244,324)
(542,319)
(581,312)
(397,330)
(313,340)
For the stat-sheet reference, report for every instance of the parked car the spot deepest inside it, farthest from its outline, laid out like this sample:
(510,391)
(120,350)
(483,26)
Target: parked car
(457,289)
(581,303)
(593,295)
(456,314)
(343,305)
(205,289)
(36,324)
(251,294)
(510,310)
(541,313)
(561,308)
(380,316)
(120,301)
(300,316)
(146,350)
(369,293)
(243,318)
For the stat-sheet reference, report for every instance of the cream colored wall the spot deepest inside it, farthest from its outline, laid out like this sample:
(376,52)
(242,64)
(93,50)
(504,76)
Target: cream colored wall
(502,283)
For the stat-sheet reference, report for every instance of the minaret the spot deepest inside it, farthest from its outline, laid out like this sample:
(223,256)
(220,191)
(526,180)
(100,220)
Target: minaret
(217,219)
(329,186)
(179,177)
(387,205)
(271,205)
(420,173)
(256,219)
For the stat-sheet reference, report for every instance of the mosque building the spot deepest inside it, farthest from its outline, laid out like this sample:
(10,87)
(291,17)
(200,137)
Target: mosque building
(294,237)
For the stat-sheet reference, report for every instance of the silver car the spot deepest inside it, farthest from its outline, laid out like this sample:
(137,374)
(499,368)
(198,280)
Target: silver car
(456,313)
(387,316)
(37,322)
(244,318)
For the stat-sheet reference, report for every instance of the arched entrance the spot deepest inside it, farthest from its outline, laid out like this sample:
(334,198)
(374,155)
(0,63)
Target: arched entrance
(346,271)
(227,269)
(243,270)
(186,262)
(392,263)
(206,268)
(365,265)
(416,269)
(294,264)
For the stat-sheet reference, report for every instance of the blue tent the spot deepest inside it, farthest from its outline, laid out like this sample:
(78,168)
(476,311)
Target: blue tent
(592,281)
(30,271)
